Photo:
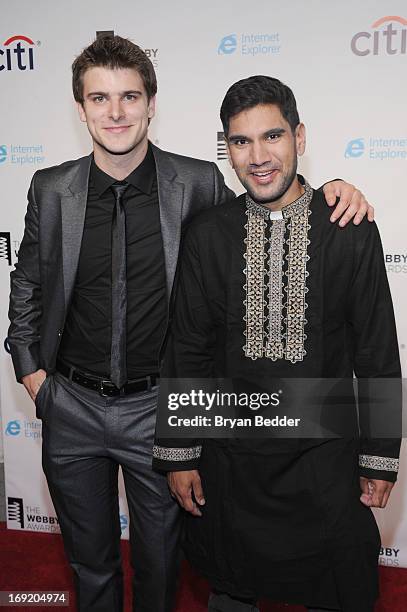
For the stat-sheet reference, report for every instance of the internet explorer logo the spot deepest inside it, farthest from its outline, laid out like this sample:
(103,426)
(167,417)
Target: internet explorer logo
(124,522)
(13,428)
(3,153)
(355,148)
(227,45)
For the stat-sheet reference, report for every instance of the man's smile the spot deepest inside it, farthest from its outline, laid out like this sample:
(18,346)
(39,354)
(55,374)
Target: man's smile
(117,129)
(264,177)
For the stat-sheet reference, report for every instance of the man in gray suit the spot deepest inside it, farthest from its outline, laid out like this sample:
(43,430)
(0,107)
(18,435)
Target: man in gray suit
(89,310)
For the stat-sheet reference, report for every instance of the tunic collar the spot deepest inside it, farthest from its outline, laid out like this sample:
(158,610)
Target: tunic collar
(293,209)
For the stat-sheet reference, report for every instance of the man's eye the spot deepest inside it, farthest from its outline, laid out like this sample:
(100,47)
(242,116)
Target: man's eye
(240,142)
(98,98)
(273,136)
(130,97)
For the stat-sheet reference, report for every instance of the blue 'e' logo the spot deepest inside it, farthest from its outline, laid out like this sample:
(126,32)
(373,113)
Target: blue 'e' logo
(124,522)
(355,148)
(13,428)
(227,45)
(3,153)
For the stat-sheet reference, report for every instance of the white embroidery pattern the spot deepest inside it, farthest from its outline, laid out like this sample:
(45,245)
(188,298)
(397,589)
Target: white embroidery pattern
(274,344)
(296,287)
(177,454)
(254,271)
(386,464)
(292,282)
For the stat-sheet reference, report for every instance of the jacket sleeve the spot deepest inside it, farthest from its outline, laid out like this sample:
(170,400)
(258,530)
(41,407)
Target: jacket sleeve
(189,352)
(376,356)
(321,189)
(25,310)
(222,192)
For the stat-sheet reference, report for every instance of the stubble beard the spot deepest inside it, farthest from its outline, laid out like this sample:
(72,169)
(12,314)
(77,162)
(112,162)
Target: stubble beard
(287,181)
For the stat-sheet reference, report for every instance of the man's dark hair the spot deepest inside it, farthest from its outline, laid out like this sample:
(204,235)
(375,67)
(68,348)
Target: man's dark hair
(255,90)
(113,52)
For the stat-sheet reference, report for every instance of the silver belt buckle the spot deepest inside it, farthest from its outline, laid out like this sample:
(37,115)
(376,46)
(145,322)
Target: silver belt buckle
(101,388)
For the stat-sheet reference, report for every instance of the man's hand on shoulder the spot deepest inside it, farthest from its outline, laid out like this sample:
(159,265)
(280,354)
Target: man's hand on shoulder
(375,493)
(352,203)
(32,382)
(182,485)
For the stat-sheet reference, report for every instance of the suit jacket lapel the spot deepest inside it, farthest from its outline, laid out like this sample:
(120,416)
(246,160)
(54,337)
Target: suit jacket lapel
(73,209)
(170,197)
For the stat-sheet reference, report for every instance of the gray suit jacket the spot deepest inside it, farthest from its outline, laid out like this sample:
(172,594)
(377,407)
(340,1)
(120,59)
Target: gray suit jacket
(43,281)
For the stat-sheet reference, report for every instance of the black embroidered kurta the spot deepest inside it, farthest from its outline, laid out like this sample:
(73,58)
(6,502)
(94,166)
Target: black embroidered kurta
(288,296)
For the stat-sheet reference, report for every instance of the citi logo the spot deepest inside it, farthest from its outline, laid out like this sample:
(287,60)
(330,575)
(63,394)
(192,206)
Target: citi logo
(391,39)
(17,54)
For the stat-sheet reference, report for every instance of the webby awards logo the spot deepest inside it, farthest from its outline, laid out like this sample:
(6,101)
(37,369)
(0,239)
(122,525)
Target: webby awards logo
(17,54)
(387,36)
(151,53)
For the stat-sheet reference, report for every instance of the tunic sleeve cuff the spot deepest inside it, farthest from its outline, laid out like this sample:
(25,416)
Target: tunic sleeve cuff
(379,468)
(167,459)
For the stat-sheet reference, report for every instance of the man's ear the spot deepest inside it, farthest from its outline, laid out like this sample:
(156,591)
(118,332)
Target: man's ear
(300,139)
(81,111)
(151,108)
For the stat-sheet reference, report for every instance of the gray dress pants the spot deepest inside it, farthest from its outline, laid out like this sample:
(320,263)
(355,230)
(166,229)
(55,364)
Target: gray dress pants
(86,437)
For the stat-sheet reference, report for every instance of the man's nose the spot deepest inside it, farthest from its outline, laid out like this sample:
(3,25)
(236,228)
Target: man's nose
(116,109)
(259,154)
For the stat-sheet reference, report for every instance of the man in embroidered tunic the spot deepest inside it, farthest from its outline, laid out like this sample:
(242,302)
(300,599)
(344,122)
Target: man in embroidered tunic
(269,288)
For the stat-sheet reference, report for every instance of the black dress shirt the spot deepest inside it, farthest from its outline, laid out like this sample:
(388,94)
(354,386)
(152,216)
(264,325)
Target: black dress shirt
(86,340)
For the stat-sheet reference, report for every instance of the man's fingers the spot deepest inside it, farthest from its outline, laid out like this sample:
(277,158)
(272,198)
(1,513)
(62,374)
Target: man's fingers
(384,494)
(32,382)
(377,498)
(352,204)
(350,212)
(341,207)
(359,201)
(330,193)
(198,491)
(366,497)
(185,499)
(370,213)
(375,493)
(182,484)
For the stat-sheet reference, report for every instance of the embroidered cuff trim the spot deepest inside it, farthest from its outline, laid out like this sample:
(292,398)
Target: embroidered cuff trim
(177,454)
(387,464)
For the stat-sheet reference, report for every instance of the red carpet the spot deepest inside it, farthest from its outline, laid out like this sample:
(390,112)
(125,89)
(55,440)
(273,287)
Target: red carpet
(31,561)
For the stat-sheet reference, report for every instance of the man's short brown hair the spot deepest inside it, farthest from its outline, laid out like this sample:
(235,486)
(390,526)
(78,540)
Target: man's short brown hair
(113,52)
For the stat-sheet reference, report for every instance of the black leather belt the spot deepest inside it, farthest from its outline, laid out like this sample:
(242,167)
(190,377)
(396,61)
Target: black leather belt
(106,387)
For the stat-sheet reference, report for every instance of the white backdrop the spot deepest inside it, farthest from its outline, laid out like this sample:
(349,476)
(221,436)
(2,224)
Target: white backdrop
(346,64)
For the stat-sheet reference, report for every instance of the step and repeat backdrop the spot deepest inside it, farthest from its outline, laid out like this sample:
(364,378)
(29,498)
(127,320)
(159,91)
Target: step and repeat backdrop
(346,64)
